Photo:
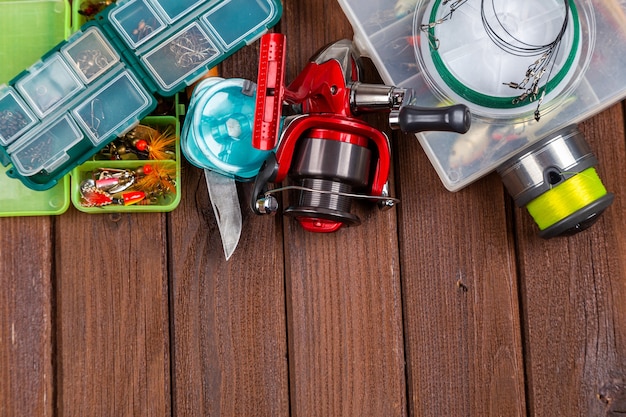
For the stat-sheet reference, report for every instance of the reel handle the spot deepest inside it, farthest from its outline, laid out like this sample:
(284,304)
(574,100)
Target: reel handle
(412,119)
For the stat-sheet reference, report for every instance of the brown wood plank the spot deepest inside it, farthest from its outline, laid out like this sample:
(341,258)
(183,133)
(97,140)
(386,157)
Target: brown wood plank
(461,313)
(112,315)
(343,289)
(345,327)
(26,317)
(574,296)
(230,344)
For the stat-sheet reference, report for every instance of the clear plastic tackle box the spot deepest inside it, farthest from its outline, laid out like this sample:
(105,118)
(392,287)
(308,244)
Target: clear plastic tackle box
(445,51)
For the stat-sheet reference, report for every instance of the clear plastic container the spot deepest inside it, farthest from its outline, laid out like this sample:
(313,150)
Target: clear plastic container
(114,108)
(460,61)
(90,54)
(207,32)
(48,85)
(47,149)
(219,20)
(15,118)
(104,78)
(175,9)
(181,56)
(137,22)
(413,44)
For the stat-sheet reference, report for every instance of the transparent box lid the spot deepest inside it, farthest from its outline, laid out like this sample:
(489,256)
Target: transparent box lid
(446,53)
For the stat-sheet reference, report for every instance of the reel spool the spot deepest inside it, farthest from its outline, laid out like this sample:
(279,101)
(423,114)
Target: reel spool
(555,179)
(330,161)
(337,168)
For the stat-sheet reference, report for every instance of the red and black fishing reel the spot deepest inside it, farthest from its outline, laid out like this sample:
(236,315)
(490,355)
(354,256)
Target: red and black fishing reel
(330,156)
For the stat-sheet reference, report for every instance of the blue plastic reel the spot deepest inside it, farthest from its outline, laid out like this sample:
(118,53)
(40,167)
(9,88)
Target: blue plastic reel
(217,132)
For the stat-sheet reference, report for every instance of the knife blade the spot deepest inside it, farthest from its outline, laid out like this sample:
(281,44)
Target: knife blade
(225,203)
(222,188)
(217,137)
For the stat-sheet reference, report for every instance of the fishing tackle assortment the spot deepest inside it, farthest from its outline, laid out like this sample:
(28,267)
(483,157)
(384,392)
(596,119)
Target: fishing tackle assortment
(104,79)
(142,142)
(529,71)
(523,69)
(90,8)
(501,34)
(138,172)
(146,185)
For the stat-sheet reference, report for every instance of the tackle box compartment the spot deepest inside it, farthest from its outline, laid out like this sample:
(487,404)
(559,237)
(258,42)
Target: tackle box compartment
(164,203)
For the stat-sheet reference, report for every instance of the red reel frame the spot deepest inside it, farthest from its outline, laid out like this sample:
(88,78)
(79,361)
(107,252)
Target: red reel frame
(323,93)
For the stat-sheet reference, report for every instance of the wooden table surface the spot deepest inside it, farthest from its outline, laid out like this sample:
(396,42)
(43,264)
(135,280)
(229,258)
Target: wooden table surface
(448,305)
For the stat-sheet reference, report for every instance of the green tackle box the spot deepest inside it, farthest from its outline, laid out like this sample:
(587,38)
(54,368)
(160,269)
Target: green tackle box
(30,28)
(98,84)
(33,27)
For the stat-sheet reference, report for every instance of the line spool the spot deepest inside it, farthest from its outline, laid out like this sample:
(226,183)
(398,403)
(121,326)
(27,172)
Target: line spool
(556,180)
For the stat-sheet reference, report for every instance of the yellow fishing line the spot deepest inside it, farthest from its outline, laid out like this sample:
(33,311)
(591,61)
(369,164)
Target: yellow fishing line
(566,198)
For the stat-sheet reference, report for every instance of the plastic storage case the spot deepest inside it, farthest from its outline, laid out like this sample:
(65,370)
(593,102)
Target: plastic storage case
(384,31)
(165,203)
(30,28)
(101,82)
(21,46)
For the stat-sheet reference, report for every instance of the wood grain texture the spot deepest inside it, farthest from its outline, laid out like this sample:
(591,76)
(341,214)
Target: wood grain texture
(26,317)
(461,312)
(448,305)
(574,294)
(230,350)
(229,328)
(112,315)
(345,329)
(346,355)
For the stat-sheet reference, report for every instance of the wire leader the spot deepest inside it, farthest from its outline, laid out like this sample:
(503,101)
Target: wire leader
(502,37)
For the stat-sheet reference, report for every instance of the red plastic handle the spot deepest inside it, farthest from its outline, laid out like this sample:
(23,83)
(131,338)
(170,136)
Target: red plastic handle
(270,92)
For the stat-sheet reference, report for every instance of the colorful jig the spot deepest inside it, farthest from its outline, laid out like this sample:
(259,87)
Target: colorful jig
(124,186)
(143,142)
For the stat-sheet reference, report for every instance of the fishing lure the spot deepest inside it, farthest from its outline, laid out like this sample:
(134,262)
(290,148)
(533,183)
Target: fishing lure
(158,145)
(158,181)
(145,184)
(92,196)
(91,8)
(143,142)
